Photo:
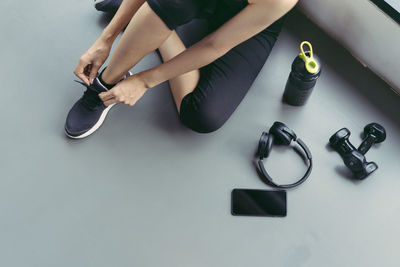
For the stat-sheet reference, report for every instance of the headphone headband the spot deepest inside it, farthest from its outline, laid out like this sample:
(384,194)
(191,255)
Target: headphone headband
(262,145)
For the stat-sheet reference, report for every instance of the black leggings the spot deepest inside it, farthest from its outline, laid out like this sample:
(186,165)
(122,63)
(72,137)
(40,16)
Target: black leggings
(224,82)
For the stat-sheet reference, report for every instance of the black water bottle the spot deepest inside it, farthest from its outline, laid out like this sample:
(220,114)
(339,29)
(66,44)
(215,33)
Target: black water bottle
(306,69)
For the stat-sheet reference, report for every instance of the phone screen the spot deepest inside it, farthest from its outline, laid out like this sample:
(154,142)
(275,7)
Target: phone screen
(253,202)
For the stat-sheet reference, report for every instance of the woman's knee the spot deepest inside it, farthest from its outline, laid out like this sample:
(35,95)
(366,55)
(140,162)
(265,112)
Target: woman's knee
(201,122)
(200,118)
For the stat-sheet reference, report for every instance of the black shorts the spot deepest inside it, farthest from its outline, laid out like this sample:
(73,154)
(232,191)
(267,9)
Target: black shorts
(175,13)
(224,82)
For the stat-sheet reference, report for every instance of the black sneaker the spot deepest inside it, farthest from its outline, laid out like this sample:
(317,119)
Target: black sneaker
(89,112)
(107,5)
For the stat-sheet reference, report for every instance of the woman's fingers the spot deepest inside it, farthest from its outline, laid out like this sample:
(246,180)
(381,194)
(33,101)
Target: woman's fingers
(125,100)
(128,91)
(114,96)
(110,101)
(82,70)
(93,71)
(107,95)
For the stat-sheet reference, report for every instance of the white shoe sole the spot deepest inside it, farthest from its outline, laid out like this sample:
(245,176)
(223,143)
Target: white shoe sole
(98,1)
(95,127)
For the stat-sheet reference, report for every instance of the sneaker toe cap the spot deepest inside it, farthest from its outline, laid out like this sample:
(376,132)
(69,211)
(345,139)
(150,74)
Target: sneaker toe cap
(80,120)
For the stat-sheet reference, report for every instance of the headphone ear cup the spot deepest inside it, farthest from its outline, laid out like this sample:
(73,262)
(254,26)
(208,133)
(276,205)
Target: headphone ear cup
(265,145)
(282,133)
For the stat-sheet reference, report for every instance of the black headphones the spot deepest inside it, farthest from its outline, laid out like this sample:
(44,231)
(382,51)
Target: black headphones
(279,133)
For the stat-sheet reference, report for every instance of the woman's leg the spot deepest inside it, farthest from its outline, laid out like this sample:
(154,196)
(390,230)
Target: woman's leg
(147,30)
(224,83)
(183,84)
(145,33)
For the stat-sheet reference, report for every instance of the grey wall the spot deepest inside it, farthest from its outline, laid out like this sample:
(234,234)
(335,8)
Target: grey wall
(367,32)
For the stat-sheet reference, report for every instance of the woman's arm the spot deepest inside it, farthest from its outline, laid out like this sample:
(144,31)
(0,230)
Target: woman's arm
(254,18)
(91,61)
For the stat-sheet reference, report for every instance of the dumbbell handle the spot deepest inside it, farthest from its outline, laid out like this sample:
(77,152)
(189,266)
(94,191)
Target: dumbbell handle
(366,144)
(345,147)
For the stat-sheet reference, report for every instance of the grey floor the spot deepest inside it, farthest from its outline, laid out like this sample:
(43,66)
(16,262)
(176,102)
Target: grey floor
(145,191)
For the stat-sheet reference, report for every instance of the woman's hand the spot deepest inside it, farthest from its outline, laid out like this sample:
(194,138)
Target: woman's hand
(91,61)
(128,91)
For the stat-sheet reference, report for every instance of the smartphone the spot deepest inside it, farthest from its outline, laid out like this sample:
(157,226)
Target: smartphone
(253,202)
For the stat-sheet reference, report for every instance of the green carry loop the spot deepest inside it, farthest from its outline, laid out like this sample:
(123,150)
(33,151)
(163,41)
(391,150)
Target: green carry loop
(310,63)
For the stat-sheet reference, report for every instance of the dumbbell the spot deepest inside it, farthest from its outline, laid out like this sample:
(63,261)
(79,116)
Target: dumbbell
(354,158)
(374,133)
(358,164)
(340,142)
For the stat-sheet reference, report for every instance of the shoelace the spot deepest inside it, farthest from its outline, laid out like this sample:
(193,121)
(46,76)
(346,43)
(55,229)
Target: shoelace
(90,98)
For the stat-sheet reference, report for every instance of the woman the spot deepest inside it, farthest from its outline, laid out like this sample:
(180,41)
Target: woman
(207,80)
